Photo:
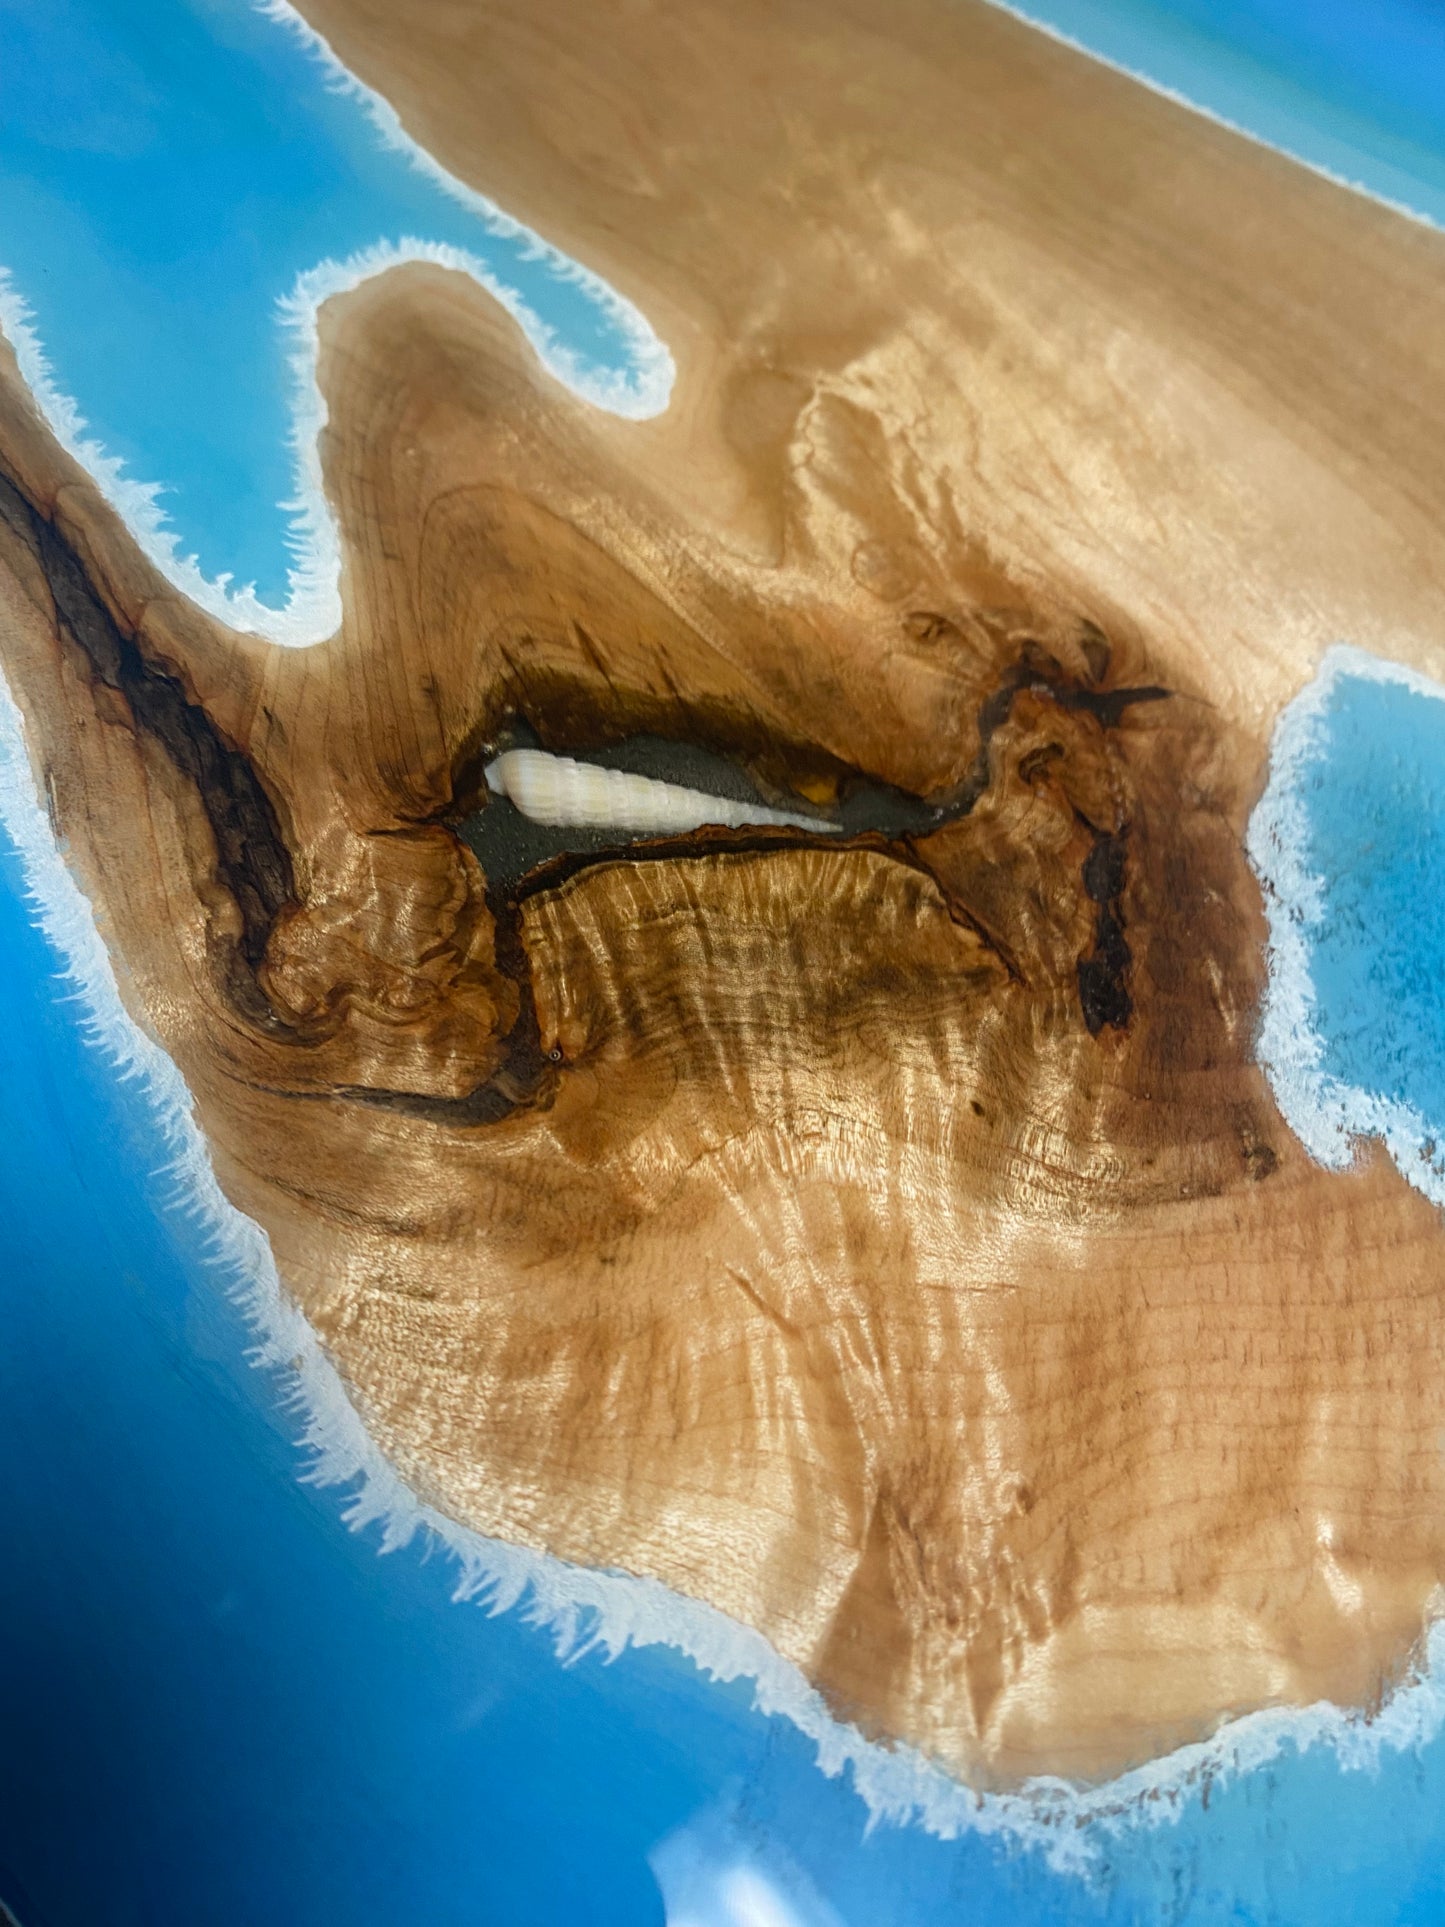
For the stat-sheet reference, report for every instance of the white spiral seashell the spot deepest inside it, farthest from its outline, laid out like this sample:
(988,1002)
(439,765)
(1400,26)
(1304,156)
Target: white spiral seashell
(565,794)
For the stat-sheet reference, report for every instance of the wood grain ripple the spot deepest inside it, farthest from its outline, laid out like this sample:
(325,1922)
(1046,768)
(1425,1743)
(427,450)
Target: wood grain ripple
(890,1241)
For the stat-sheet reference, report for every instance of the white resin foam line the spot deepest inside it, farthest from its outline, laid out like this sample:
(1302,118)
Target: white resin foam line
(1166,91)
(1327,1114)
(565,794)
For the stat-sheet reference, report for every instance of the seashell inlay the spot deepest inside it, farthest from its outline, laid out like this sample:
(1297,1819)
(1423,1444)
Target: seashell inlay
(563,793)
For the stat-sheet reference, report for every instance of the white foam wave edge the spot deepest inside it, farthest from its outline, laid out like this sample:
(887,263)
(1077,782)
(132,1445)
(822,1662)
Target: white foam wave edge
(1325,1114)
(1165,91)
(641,387)
(585,1610)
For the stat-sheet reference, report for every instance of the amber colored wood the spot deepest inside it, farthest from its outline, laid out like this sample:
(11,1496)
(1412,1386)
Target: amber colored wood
(892,1243)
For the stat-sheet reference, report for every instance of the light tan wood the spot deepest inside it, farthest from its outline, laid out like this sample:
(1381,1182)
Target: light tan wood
(891,1243)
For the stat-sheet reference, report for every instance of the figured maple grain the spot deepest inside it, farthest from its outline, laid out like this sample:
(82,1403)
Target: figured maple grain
(891,1242)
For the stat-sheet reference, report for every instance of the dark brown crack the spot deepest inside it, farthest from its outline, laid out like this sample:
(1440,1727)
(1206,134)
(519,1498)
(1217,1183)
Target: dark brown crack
(1103,975)
(1037,671)
(252,861)
(525,1079)
(1107,706)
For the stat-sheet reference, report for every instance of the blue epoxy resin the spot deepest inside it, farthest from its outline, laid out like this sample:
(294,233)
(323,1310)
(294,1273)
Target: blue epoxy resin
(1349,842)
(1353,88)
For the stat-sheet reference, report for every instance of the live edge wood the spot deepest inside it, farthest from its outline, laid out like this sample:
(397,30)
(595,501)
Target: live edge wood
(892,1243)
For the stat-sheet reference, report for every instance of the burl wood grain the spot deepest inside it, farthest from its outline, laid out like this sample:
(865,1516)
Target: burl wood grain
(891,1241)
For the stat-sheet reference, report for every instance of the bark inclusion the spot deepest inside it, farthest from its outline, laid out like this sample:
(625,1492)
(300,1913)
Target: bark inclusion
(252,860)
